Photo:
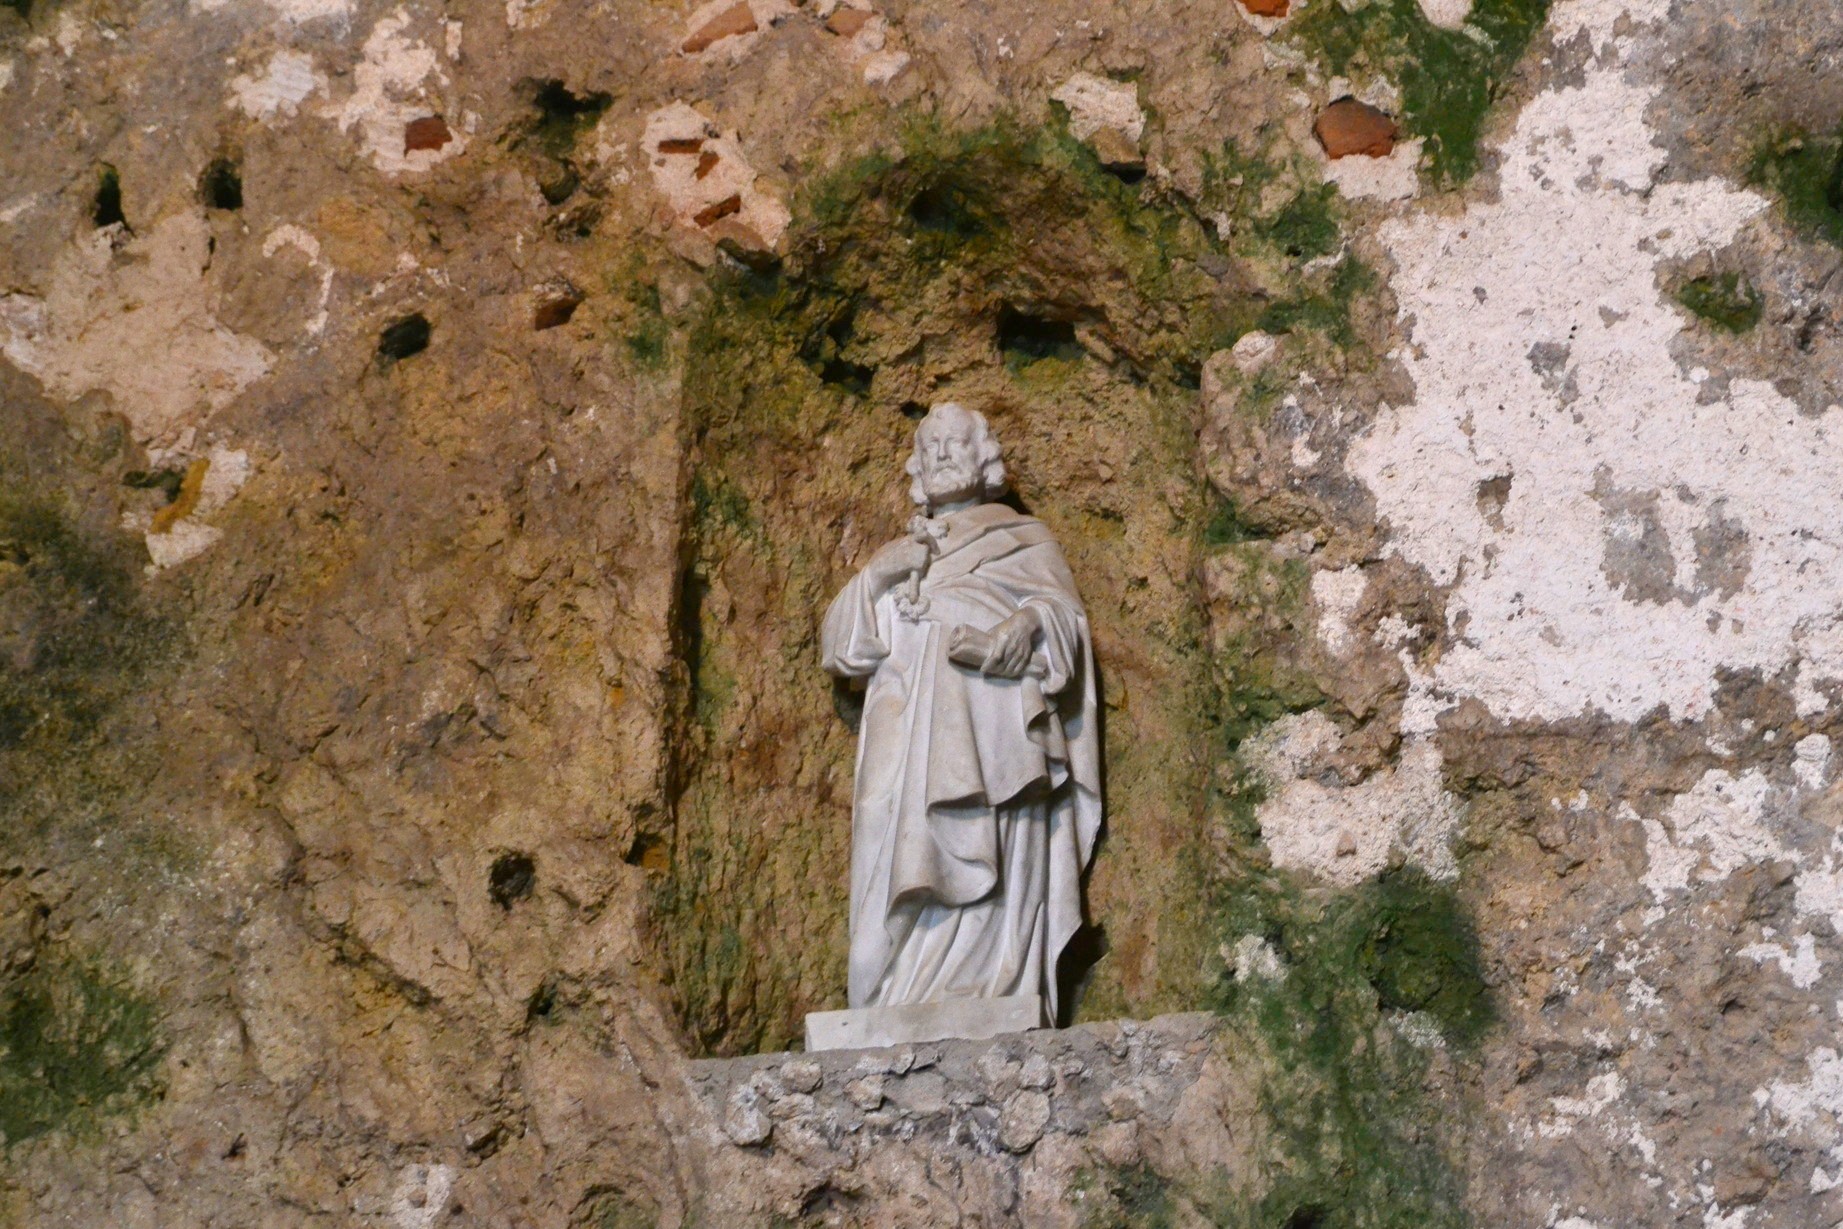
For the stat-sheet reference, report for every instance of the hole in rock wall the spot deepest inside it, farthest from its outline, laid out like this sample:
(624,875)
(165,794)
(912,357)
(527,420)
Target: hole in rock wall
(511,879)
(801,387)
(403,338)
(106,210)
(221,186)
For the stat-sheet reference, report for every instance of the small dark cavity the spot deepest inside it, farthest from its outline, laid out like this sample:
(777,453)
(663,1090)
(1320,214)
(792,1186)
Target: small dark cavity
(914,411)
(1030,338)
(542,1003)
(825,1198)
(237,1148)
(563,114)
(826,353)
(22,7)
(649,852)
(221,186)
(1129,173)
(945,209)
(1306,1216)
(167,481)
(107,210)
(561,186)
(403,338)
(511,879)
(556,307)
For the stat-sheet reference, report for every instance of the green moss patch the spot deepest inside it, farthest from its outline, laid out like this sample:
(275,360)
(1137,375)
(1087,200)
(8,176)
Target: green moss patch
(1724,301)
(1805,171)
(1359,1140)
(73,630)
(76,1044)
(1448,78)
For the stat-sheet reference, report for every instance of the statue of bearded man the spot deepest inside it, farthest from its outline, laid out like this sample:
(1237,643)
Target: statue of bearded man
(978,792)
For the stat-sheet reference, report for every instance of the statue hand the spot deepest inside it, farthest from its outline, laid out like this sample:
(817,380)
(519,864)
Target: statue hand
(893,563)
(1011,644)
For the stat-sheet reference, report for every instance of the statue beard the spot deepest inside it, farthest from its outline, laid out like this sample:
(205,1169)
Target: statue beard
(951,484)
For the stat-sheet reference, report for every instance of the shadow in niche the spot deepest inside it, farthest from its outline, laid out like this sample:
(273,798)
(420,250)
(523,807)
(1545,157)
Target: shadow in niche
(1076,965)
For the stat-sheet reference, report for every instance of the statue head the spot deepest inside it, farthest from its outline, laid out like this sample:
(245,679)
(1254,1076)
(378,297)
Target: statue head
(956,458)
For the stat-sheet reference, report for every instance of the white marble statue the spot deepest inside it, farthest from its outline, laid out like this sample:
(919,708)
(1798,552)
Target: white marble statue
(978,791)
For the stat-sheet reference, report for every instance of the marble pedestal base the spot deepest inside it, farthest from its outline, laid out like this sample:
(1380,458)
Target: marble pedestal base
(973,1019)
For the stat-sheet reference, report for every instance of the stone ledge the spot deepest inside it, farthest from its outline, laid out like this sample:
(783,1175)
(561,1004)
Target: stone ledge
(989,1097)
(866,1028)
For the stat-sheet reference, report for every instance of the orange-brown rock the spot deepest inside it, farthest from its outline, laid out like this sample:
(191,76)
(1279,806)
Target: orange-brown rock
(1349,127)
(846,22)
(721,209)
(554,305)
(739,19)
(429,132)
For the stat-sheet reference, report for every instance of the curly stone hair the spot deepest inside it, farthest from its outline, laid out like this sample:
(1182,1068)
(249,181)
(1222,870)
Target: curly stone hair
(985,447)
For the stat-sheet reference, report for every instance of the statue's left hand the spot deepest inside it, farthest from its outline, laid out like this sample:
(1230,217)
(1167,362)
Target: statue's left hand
(1011,644)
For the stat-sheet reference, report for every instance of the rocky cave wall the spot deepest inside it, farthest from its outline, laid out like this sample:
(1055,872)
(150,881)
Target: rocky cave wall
(433,432)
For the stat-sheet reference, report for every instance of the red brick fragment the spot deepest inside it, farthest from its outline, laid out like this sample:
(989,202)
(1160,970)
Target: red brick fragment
(429,132)
(707,161)
(722,209)
(1267,8)
(681,145)
(846,22)
(1349,127)
(738,19)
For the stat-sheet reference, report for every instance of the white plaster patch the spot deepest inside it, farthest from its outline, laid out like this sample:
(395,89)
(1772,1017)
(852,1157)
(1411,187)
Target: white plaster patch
(1336,594)
(1812,1109)
(683,128)
(885,67)
(1396,177)
(288,80)
(14,210)
(139,325)
(1254,959)
(289,235)
(1345,834)
(1095,103)
(1253,350)
(389,91)
(1800,964)
(421,1195)
(1447,14)
(1565,1113)
(226,470)
(1713,830)
(1539,348)
(296,12)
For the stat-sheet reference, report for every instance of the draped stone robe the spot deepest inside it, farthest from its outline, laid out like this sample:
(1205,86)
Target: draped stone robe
(977,798)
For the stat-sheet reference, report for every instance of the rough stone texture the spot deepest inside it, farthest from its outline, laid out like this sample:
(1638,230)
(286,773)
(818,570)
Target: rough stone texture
(1018,1130)
(412,756)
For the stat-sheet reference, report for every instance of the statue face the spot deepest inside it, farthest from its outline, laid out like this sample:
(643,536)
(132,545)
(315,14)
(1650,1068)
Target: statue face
(949,452)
